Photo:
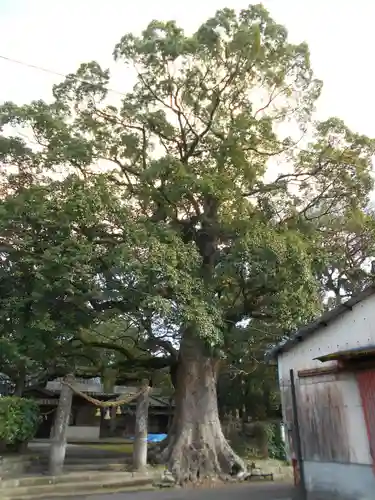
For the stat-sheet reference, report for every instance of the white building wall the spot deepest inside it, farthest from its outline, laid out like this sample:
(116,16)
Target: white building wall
(355,328)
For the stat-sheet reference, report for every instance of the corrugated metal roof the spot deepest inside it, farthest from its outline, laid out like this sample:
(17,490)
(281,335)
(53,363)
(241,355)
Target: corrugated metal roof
(347,354)
(323,321)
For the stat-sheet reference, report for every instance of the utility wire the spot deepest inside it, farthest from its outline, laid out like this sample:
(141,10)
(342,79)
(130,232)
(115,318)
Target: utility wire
(56,73)
(49,71)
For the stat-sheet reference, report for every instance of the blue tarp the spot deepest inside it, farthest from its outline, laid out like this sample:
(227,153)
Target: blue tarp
(153,438)
(156,438)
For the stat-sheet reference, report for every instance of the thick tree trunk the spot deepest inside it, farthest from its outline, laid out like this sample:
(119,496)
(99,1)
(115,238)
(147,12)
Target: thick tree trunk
(196,447)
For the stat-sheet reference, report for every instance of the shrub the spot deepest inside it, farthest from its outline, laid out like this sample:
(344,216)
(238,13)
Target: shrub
(19,419)
(276,445)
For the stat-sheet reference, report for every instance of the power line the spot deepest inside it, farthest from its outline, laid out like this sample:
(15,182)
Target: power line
(56,73)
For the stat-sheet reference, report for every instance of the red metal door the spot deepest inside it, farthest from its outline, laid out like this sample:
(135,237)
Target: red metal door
(366,384)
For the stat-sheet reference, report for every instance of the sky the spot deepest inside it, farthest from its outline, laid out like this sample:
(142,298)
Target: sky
(59,35)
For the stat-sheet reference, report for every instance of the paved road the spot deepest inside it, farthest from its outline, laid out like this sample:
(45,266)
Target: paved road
(245,491)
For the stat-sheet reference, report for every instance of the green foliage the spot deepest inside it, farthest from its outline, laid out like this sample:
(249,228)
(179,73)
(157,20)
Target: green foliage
(168,209)
(276,446)
(343,267)
(246,383)
(259,439)
(254,394)
(46,276)
(19,419)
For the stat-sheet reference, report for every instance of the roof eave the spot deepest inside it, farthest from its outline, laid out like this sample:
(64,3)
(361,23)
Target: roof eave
(316,325)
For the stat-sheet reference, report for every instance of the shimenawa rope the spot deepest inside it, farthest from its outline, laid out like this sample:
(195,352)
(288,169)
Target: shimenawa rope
(108,404)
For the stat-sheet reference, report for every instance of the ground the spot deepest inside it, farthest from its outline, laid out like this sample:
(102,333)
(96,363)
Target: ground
(88,451)
(119,448)
(245,491)
(255,491)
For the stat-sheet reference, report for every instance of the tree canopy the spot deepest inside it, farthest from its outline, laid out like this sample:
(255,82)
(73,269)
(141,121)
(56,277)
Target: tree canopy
(204,199)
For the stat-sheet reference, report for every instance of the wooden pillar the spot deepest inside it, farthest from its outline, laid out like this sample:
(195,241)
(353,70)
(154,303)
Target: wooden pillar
(58,439)
(20,383)
(113,421)
(141,431)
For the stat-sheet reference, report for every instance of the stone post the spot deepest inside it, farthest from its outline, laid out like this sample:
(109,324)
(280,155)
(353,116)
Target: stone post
(141,431)
(58,439)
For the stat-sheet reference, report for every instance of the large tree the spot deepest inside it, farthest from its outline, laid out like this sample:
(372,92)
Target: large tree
(43,265)
(344,266)
(57,271)
(215,160)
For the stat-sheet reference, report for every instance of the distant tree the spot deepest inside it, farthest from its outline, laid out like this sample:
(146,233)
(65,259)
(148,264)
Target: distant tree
(247,385)
(344,263)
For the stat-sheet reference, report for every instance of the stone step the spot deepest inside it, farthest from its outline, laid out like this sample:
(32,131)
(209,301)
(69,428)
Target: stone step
(36,480)
(70,484)
(92,460)
(82,494)
(84,466)
(96,467)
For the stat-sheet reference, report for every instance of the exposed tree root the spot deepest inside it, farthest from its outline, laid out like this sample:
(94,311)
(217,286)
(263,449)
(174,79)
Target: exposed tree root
(196,449)
(207,456)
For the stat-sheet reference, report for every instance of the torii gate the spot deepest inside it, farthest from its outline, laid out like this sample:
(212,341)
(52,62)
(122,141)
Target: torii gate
(58,439)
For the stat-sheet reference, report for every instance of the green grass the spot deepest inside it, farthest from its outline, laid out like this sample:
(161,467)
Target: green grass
(120,448)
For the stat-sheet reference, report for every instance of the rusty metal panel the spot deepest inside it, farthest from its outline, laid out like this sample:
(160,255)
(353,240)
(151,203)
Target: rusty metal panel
(366,385)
